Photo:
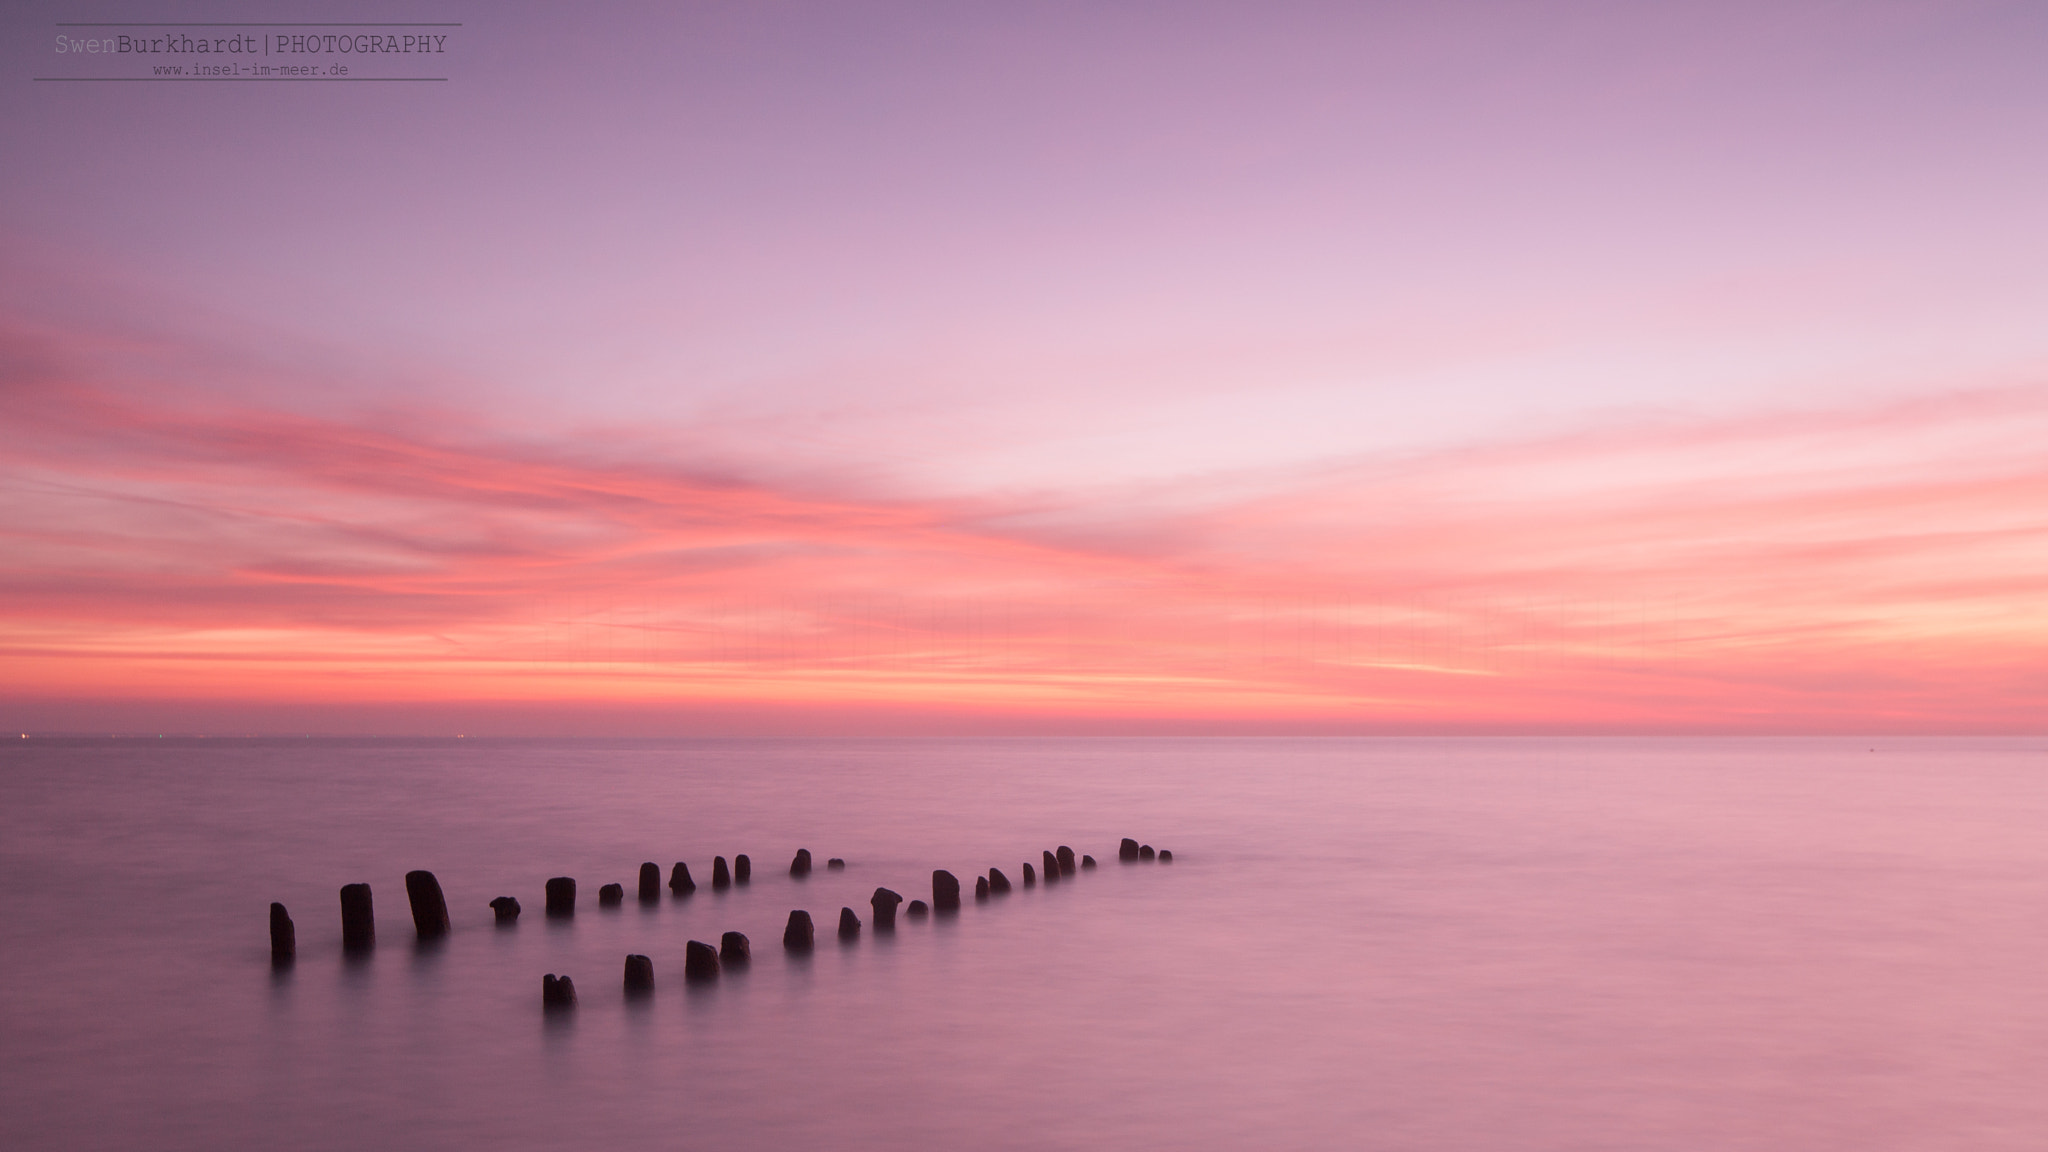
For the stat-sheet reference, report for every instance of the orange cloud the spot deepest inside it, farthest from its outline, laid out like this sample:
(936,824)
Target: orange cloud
(1875,569)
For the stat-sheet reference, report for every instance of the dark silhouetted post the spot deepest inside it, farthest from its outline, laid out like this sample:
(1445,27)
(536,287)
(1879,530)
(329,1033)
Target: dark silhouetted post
(945,891)
(742,869)
(284,937)
(1050,866)
(429,908)
(1087,861)
(1030,875)
(679,881)
(1127,851)
(506,908)
(849,925)
(884,903)
(981,887)
(561,896)
(733,948)
(918,909)
(639,975)
(835,864)
(611,895)
(1165,857)
(720,878)
(1145,852)
(799,935)
(358,923)
(700,961)
(997,882)
(1066,858)
(650,883)
(801,865)
(557,992)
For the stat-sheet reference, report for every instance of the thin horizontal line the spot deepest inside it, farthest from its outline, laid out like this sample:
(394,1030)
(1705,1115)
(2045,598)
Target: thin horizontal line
(246,24)
(239,79)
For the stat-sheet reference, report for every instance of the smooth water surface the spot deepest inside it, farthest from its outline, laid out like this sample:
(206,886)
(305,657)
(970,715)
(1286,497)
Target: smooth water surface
(1384,944)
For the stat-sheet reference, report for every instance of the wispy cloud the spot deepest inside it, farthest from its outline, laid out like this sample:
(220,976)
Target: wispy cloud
(1874,567)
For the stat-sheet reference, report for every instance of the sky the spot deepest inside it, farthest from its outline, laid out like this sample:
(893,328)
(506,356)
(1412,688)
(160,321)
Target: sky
(793,369)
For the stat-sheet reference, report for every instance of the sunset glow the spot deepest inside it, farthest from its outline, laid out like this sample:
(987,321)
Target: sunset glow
(1159,407)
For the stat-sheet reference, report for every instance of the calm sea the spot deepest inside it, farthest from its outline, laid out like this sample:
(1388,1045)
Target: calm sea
(1377,944)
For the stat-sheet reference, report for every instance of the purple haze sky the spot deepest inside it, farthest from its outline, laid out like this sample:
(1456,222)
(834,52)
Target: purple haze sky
(1097,266)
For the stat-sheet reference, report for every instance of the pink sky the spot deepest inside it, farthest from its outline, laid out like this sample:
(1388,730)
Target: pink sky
(882,368)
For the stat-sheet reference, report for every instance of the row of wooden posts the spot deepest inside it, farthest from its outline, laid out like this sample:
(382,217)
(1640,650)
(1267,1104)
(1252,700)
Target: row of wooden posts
(701,961)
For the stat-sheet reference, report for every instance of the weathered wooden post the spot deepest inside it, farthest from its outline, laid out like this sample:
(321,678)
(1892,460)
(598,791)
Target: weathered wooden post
(650,883)
(720,877)
(733,948)
(801,865)
(557,992)
(945,891)
(997,882)
(561,896)
(700,961)
(611,895)
(799,935)
(1030,875)
(284,936)
(884,903)
(506,909)
(429,908)
(1050,865)
(1066,858)
(639,975)
(849,925)
(679,881)
(358,923)
(742,869)
(1127,851)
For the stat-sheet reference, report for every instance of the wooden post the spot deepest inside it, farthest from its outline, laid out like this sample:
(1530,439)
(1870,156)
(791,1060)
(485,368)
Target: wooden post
(358,922)
(284,937)
(429,908)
